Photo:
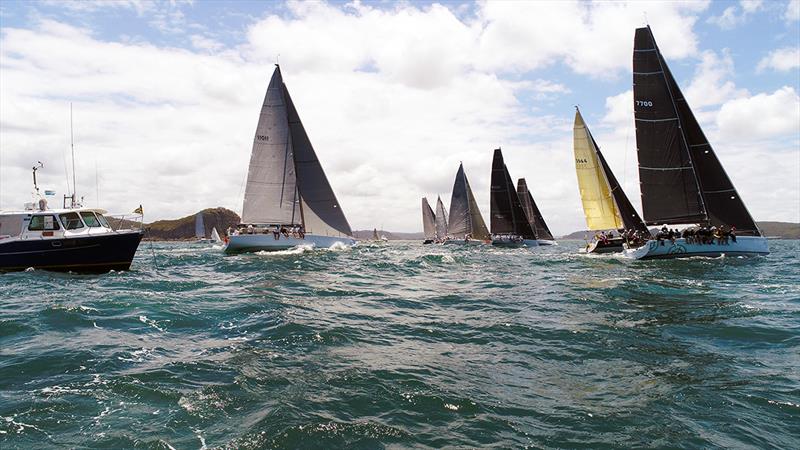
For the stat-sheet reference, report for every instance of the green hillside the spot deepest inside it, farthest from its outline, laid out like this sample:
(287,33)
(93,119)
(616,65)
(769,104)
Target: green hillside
(183,228)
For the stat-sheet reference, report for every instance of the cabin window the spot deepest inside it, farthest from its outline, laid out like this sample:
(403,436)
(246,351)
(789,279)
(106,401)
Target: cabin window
(71,221)
(90,219)
(42,223)
(103,221)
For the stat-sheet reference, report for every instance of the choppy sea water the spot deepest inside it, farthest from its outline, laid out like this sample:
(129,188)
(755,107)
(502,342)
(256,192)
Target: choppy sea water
(403,345)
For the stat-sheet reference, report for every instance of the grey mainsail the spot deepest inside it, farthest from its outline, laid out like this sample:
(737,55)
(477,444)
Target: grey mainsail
(465,217)
(199,226)
(441,219)
(270,195)
(286,184)
(428,220)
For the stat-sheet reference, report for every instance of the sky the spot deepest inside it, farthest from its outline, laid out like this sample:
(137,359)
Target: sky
(166,97)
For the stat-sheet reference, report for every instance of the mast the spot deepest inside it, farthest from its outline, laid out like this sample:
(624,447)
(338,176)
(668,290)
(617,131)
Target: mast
(72,147)
(683,181)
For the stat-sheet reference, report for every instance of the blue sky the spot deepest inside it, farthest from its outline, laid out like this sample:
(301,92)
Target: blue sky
(393,96)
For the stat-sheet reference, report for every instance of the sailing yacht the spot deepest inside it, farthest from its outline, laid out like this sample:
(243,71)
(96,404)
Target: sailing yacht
(509,225)
(540,228)
(681,178)
(215,236)
(288,200)
(466,225)
(440,224)
(200,228)
(605,204)
(72,238)
(428,222)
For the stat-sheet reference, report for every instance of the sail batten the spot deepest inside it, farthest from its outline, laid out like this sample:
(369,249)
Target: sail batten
(507,215)
(465,217)
(701,192)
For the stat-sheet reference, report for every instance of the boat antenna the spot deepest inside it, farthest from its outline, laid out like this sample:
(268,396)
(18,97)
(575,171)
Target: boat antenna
(644,13)
(72,147)
(96,183)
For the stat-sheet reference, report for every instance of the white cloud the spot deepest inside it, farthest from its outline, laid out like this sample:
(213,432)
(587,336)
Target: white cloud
(782,60)
(731,17)
(711,84)
(792,13)
(761,116)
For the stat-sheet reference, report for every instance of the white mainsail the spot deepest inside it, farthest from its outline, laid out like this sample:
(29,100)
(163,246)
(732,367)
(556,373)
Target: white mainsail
(215,235)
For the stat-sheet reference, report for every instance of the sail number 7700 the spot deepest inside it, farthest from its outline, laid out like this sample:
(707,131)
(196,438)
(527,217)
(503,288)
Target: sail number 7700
(646,103)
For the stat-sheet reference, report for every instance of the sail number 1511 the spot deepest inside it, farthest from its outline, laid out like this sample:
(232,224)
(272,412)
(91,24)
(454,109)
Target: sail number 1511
(646,103)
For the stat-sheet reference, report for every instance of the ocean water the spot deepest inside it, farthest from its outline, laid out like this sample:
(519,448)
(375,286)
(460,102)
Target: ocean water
(402,345)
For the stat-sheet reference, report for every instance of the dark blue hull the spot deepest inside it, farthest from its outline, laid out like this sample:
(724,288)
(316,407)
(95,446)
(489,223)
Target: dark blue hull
(90,254)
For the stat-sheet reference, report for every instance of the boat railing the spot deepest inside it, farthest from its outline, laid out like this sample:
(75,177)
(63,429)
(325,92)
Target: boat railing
(125,221)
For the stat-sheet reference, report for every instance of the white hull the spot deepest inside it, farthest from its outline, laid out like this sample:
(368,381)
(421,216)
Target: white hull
(266,242)
(744,246)
(546,242)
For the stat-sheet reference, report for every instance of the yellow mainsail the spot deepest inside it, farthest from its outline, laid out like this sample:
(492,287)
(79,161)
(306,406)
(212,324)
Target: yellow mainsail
(598,204)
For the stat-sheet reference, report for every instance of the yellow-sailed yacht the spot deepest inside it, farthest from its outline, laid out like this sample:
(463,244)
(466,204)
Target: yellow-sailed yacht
(604,203)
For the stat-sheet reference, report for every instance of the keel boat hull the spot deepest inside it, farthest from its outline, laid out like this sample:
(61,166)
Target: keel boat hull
(744,246)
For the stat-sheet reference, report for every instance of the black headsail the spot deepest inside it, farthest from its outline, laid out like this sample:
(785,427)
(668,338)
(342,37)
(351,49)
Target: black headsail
(465,218)
(320,209)
(507,215)
(682,181)
(630,218)
(532,211)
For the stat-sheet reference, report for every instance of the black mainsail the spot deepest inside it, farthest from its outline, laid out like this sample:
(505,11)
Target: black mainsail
(682,180)
(465,217)
(532,211)
(286,184)
(507,215)
(428,220)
